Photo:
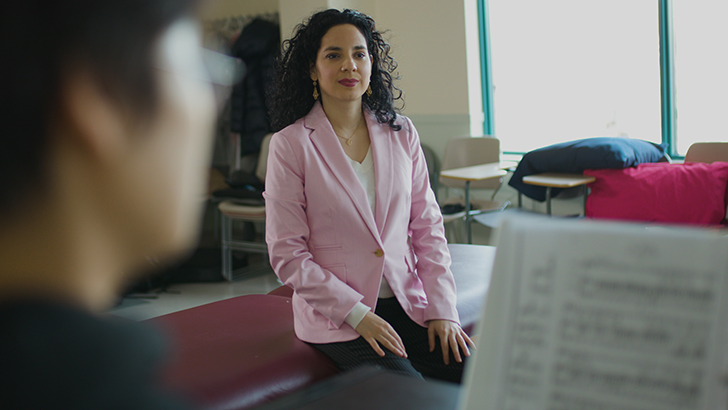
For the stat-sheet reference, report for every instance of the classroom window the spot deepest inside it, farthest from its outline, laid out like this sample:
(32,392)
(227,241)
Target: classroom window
(571,69)
(701,71)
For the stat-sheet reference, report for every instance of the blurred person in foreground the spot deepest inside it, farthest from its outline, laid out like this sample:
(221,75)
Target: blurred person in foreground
(106,123)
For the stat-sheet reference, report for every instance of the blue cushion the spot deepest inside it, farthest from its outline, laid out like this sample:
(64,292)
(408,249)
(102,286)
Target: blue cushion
(576,156)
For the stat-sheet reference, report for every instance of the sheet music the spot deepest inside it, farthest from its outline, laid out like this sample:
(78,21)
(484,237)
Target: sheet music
(623,320)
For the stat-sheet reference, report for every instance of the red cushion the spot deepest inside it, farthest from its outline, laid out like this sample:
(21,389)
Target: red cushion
(667,193)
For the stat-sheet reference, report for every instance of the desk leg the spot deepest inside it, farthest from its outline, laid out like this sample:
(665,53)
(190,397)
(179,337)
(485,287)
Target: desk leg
(520,199)
(586,194)
(548,200)
(467,212)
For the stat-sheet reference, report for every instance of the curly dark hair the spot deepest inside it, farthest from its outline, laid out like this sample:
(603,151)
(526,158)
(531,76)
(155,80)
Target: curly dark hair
(291,99)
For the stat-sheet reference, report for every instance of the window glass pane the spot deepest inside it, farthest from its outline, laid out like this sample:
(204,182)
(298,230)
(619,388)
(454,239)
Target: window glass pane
(571,69)
(701,71)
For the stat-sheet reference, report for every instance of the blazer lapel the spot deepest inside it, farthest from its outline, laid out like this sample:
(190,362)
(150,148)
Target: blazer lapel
(381,141)
(324,139)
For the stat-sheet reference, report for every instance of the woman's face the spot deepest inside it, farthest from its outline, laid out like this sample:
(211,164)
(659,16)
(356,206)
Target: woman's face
(162,186)
(343,64)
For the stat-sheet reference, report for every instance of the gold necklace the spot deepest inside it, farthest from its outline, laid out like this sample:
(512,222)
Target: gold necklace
(349,140)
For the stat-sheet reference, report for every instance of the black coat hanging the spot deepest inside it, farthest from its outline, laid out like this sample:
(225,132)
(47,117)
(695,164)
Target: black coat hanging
(257,46)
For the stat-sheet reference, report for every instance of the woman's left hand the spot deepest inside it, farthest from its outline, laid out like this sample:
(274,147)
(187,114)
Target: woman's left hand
(451,337)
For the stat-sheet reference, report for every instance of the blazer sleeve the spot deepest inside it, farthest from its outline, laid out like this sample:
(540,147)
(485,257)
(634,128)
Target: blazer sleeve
(427,233)
(287,234)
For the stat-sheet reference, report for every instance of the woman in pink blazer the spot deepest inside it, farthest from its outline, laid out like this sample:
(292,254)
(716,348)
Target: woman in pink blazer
(352,224)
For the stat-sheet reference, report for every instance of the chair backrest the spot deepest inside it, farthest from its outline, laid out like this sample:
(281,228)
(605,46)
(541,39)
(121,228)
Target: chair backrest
(707,152)
(433,167)
(468,151)
(262,166)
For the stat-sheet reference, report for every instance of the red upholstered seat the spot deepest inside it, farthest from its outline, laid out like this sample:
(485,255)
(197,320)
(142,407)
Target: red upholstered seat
(239,353)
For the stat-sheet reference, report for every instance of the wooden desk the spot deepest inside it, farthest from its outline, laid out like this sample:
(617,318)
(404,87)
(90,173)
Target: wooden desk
(479,172)
(476,173)
(557,180)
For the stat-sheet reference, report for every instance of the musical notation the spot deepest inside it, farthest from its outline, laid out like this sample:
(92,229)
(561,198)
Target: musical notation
(590,330)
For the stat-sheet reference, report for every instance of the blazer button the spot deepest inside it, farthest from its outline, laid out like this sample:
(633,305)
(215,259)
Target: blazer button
(379,253)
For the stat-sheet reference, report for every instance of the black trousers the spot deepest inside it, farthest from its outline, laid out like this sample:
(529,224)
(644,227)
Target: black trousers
(420,361)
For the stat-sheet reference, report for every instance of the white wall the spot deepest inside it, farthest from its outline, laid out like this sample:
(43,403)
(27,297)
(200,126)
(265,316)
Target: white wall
(219,9)
(429,43)
(293,12)
(367,7)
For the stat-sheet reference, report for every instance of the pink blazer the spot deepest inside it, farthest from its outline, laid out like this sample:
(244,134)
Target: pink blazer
(325,243)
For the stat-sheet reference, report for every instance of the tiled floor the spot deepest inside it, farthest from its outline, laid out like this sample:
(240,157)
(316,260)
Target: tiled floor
(187,295)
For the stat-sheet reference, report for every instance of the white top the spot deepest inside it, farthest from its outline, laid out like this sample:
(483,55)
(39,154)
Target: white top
(365,172)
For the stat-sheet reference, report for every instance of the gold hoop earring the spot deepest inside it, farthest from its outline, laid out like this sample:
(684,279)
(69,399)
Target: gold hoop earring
(369,91)
(315,90)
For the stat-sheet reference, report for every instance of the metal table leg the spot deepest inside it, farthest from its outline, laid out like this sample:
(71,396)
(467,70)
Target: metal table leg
(467,212)
(227,253)
(548,200)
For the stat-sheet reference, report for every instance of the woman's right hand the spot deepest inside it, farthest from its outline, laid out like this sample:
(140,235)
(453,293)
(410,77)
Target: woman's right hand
(376,331)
